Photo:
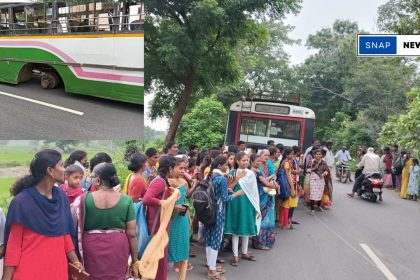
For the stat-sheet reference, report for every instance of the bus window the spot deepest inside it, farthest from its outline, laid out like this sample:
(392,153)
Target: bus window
(35,19)
(285,129)
(255,127)
(4,22)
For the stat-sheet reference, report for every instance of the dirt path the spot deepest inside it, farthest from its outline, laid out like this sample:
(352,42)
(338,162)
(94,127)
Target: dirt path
(13,172)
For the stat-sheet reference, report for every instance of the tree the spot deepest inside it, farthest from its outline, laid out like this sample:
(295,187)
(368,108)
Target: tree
(204,126)
(189,47)
(65,145)
(130,147)
(264,68)
(322,74)
(405,128)
(365,89)
(400,16)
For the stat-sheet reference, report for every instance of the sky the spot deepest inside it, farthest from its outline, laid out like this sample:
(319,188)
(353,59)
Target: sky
(314,15)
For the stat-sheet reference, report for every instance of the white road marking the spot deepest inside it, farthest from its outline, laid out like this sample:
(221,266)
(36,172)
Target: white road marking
(42,103)
(381,266)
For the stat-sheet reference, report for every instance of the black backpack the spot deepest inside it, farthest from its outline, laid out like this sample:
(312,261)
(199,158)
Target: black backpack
(204,202)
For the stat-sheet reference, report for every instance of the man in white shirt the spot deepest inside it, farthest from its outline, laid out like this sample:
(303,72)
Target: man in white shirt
(315,145)
(370,163)
(329,157)
(343,156)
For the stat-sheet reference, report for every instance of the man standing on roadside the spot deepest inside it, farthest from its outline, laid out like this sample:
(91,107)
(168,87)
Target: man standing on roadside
(395,154)
(329,157)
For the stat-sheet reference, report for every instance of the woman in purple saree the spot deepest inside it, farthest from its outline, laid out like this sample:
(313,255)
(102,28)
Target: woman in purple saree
(106,228)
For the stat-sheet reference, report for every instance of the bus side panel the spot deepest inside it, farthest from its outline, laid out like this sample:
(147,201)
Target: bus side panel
(309,133)
(9,71)
(231,128)
(108,90)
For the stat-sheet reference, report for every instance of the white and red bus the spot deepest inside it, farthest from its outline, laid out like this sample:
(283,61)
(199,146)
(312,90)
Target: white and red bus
(257,121)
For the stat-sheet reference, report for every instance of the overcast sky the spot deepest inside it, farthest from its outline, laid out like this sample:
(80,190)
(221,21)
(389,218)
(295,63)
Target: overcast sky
(314,15)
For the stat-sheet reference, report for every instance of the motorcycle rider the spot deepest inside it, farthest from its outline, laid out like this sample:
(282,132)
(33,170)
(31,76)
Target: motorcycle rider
(370,163)
(343,156)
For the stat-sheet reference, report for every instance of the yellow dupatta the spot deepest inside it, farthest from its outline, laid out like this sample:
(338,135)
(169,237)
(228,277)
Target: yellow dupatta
(155,250)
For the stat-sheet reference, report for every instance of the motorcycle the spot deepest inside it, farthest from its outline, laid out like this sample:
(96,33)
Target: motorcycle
(343,171)
(371,188)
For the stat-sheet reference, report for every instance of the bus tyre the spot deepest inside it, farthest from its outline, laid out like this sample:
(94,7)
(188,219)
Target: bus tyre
(49,80)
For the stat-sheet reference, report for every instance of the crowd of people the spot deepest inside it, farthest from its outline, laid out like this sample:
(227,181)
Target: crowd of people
(79,211)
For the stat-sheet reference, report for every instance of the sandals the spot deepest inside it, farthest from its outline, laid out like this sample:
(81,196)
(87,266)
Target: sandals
(249,257)
(234,262)
(189,267)
(220,260)
(214,275)
(219,269)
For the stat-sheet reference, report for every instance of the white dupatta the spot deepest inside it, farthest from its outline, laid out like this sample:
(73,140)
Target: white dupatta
(249,185)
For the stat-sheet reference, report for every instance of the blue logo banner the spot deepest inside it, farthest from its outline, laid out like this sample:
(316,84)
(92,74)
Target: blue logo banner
(377,45)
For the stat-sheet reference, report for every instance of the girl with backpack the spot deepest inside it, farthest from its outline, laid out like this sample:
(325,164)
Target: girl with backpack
(243,214)
(214,234)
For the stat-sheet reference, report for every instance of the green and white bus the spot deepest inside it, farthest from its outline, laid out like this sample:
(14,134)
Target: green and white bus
(95,48)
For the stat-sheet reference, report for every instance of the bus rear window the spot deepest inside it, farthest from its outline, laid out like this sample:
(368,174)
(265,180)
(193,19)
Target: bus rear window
(285,129)
(253,126)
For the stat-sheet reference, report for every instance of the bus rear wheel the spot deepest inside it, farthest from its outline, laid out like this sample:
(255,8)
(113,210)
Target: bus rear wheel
(49,80)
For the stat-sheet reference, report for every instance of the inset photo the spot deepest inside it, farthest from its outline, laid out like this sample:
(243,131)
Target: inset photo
(71,70)
(44,185)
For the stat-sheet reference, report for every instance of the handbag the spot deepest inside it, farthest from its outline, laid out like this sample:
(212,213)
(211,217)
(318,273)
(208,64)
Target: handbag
(74,273)
(283,183)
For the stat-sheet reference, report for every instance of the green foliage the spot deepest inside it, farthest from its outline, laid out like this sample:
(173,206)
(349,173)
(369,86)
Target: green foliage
(367,90)
(64,145)
(131,147)
(15,156)
(265,67)
(204,126)
(350,133)
(405,128)
(189,47)
(400,16)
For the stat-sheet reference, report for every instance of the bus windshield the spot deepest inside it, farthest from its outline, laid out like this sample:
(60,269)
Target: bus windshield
(259,130)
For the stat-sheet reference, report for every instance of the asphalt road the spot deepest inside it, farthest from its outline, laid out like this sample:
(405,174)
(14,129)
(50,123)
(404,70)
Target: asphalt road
(327,246)
(101,119)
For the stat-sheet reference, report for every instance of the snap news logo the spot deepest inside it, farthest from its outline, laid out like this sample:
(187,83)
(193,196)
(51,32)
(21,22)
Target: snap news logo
(388,45)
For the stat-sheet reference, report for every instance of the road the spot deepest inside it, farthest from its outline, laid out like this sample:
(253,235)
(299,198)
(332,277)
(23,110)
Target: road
(81,117)
(327,246)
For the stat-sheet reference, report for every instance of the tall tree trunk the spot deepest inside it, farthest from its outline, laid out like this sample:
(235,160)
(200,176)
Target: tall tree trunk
(181,108)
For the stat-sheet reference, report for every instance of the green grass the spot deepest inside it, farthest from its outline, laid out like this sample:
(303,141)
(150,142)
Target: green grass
(11,156)
(5,198)
(5,184)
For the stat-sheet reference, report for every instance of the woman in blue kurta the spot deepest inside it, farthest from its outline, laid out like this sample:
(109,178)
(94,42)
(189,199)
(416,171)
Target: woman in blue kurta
(214,234)
(179,232)
(266,237)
